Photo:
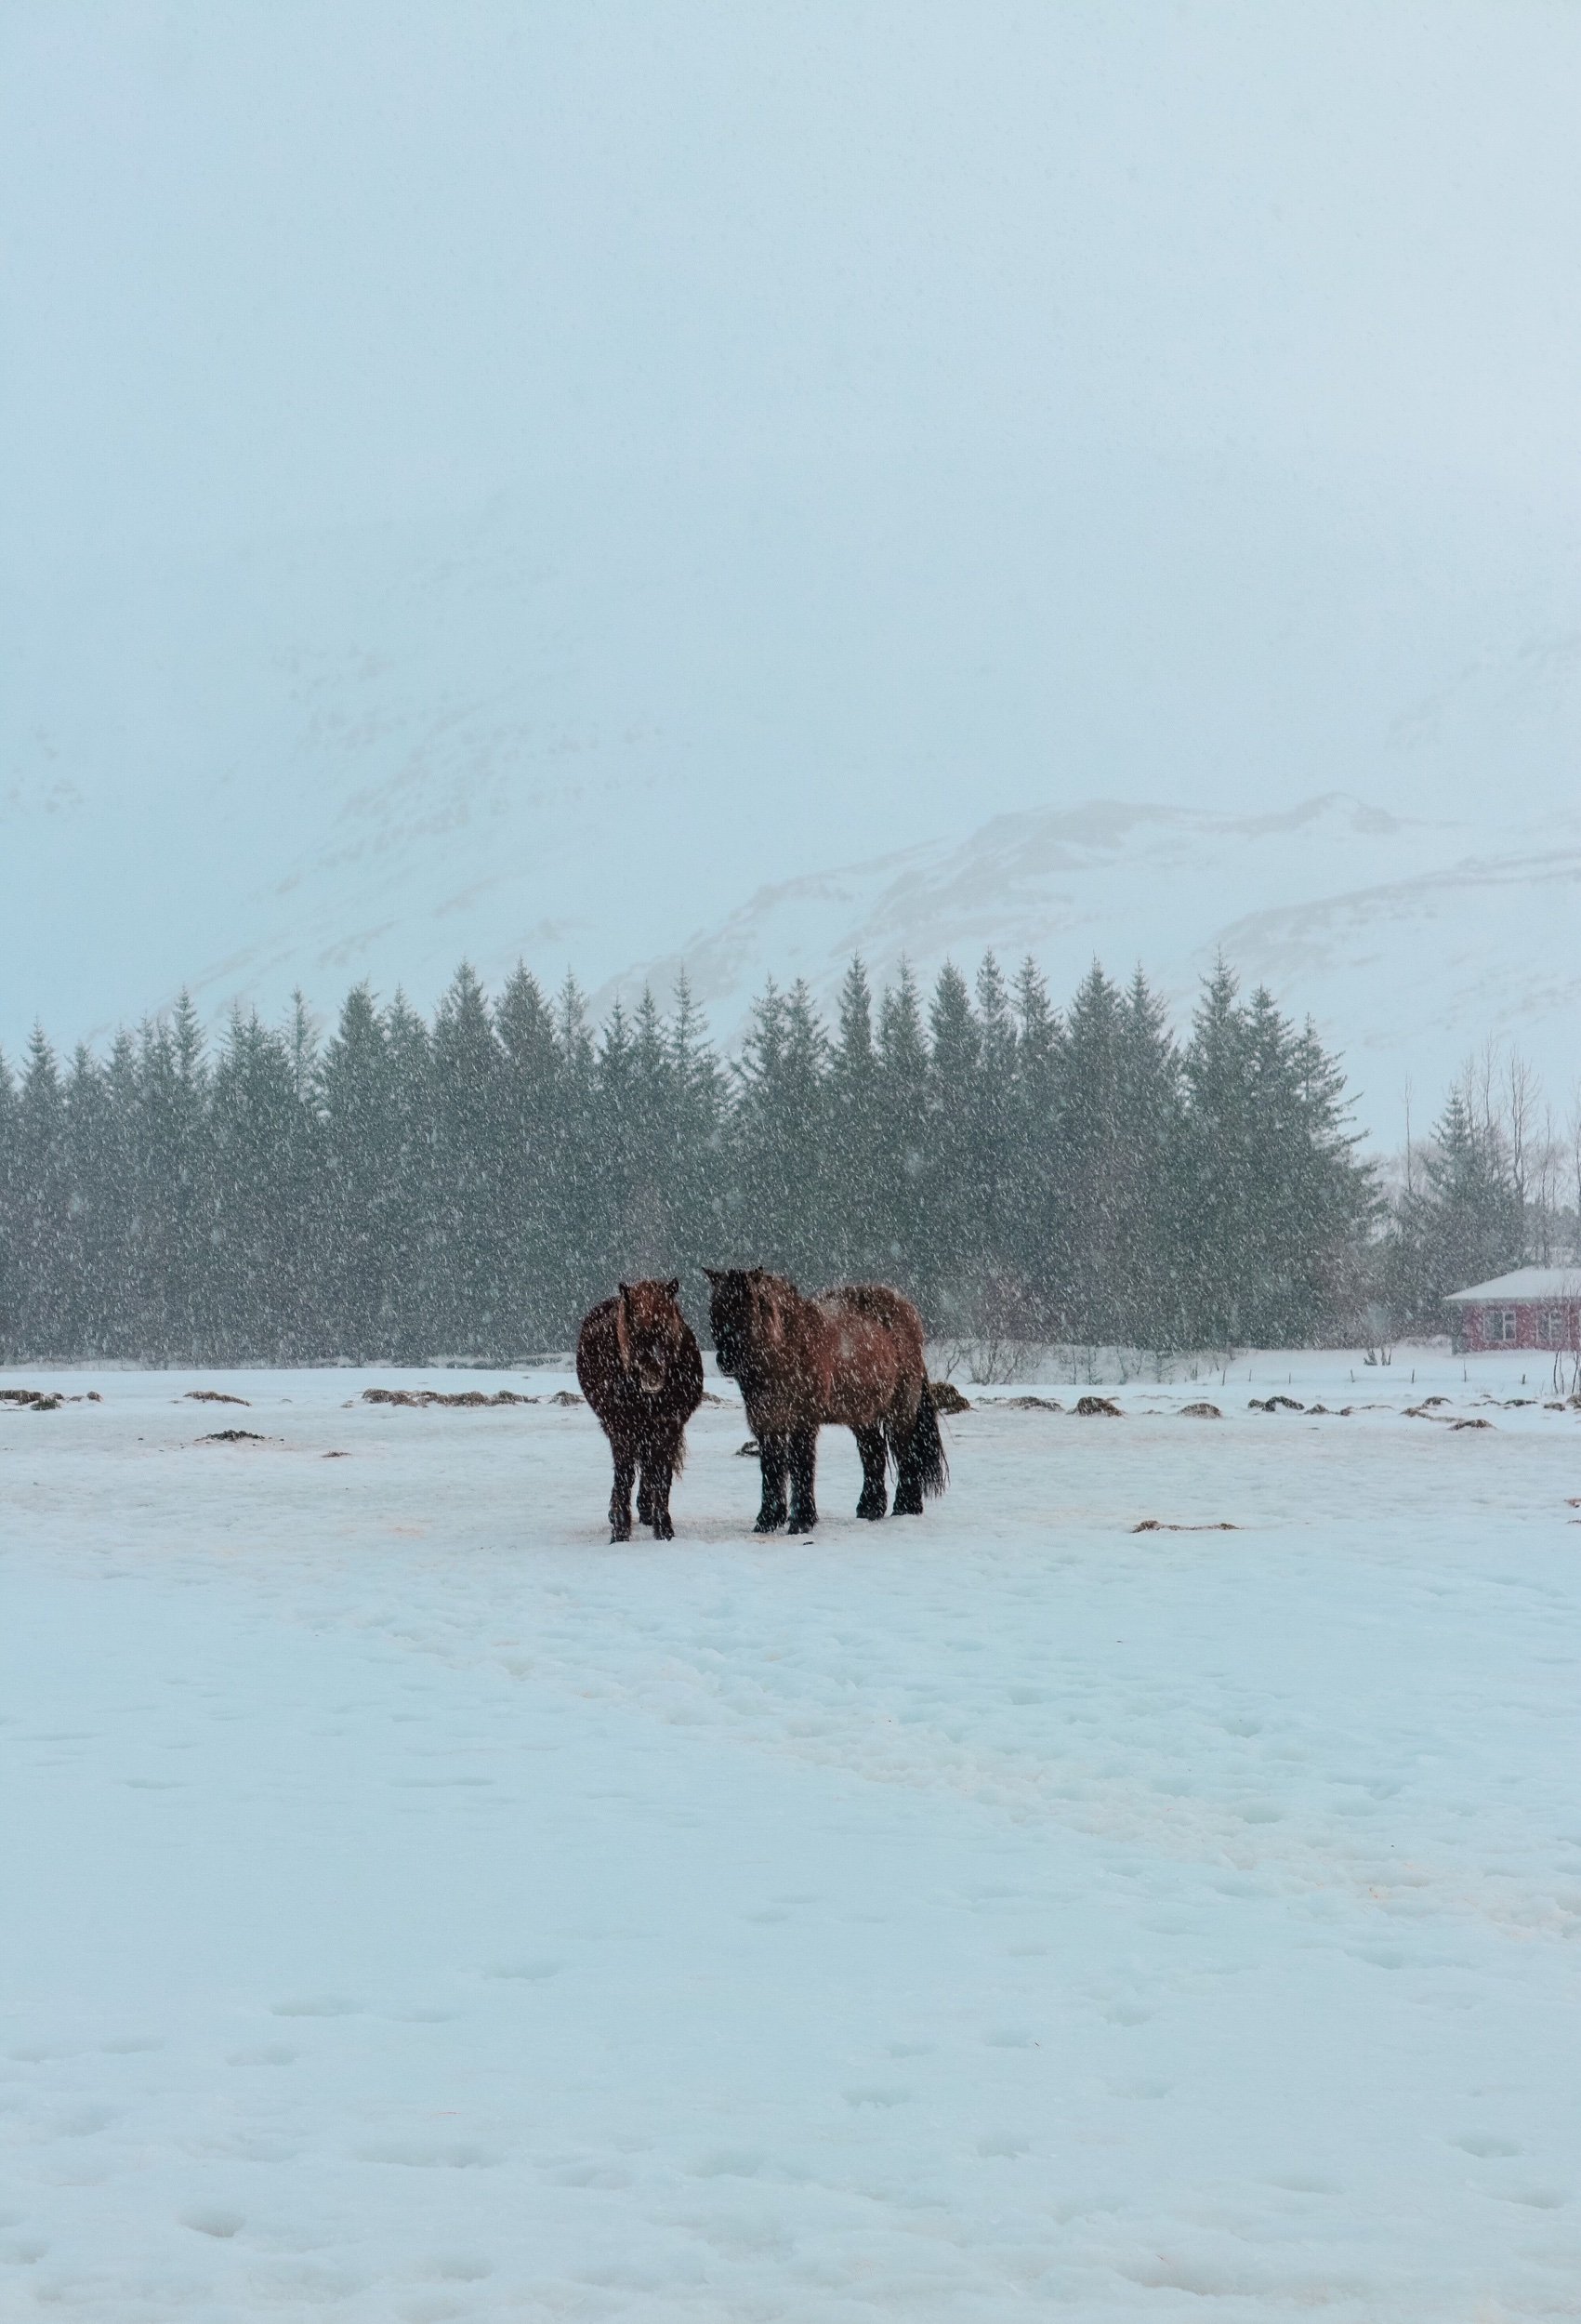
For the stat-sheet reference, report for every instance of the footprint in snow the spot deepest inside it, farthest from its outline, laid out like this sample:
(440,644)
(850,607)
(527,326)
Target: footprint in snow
(207,2220)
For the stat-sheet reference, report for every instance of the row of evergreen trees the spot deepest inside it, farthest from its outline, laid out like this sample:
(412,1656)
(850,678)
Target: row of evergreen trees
(467,1186)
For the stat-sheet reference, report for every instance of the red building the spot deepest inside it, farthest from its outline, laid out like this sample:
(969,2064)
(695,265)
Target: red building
(1537,1307)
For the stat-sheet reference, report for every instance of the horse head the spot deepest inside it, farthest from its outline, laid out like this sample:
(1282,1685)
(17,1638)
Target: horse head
(745,1314)
(647,1330)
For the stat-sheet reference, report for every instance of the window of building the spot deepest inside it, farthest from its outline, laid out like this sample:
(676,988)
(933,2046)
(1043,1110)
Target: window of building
(1555,1328)
(1501,1326)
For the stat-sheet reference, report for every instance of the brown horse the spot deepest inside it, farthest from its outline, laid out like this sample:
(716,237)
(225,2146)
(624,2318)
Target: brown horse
(637,1362)
(851,1356)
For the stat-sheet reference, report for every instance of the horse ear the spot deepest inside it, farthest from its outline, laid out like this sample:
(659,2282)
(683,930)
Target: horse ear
(626,1290)
(714,1274)
(673,1287)
(623,1332)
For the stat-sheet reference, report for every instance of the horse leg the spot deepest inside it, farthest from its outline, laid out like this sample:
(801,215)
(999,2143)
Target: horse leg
(645,1485)
(660,1466)
(875,1493)
(620,1499)
(773,1450)
(908,1473)
(803,1470)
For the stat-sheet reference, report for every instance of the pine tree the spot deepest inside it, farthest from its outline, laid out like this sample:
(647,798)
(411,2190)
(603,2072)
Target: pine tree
(1092,1165)
(1214,1165)
(854,1208)
(1149,1310)
(360,1195)
(1463,1226)
(416,1209)
(902,1132)
(1034,1242)
(954,1253)
(98,1177)
(175,1188)
(779,1143)
(467,1095)
(697,1165)
(40,1205)
(994,1123)
(530,1160)
(581,1267)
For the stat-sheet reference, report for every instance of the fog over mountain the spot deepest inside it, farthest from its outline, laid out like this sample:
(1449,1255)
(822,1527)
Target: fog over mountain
(570,484)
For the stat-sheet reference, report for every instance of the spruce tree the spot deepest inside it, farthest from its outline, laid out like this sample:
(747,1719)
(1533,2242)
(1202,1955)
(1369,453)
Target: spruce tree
(1036,1241)
(467,1097)
(530,1157)
(854,1208)
(1463,1226)
(953,1252)
(1092,1164)
(361,1196)
(697,1164)
(41,1205)
(902,1132)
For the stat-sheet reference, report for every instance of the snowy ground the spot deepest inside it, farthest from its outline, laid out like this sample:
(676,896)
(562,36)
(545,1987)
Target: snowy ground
(416,1909)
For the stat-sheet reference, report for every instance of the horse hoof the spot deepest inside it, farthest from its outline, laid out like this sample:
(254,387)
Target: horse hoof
(768,1524)
(663,1529)
(619,1533)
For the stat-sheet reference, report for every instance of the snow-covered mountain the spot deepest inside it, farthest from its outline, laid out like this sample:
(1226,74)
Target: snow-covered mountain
(371,754)
(1409,941)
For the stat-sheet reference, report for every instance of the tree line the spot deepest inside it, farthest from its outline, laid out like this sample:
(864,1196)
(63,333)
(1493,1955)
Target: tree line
(464,1186)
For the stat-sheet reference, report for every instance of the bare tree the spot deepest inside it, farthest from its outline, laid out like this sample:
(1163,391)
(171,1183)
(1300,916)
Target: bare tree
(1520,1095)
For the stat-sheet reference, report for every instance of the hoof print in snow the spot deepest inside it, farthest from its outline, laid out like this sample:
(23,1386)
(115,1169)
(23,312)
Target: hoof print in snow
(564,1396)
(947,1397)
(1201,1412)
(1456,1425)
(221,2224)
(237,1436)
(1043,1404)
(1274,1404)
(211,1395)
(1096,1408)
(747,1451)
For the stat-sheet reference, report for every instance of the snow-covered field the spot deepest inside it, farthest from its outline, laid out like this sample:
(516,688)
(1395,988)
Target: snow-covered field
(416,1909)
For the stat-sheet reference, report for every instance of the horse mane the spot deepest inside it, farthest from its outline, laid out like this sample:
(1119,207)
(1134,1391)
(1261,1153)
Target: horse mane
(781,1285)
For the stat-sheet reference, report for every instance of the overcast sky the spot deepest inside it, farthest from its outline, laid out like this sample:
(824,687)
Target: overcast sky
(949,396)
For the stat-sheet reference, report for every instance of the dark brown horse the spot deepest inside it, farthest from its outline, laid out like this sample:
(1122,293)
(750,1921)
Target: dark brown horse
(851,1356)
(637,1359)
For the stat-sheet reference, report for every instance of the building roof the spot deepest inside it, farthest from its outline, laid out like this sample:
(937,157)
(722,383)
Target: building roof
(1526,1283)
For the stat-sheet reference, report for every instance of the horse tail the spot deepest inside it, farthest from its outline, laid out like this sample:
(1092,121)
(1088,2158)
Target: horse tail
(920,1455)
